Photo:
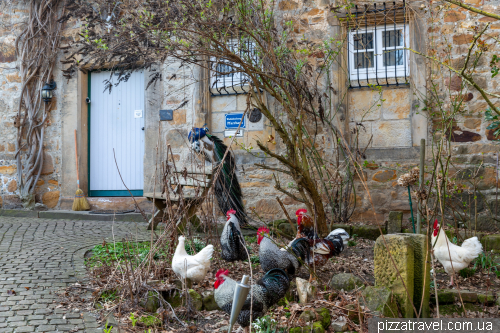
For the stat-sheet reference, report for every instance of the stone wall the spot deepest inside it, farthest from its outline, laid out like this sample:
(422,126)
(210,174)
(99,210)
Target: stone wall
(13,14)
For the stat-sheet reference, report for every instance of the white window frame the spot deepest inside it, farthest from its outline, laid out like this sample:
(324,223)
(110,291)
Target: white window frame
(238,77)
(379,70)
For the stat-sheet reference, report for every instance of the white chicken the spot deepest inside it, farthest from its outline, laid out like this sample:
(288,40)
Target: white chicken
(458,257)
(194,268)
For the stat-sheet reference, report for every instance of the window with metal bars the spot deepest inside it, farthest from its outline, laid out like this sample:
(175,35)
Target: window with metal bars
(228,78)
(377,45)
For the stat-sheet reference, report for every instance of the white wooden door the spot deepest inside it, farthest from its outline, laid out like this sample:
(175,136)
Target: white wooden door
(116,122)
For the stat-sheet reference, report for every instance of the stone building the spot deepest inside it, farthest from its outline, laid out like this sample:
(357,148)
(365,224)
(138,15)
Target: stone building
(390,120)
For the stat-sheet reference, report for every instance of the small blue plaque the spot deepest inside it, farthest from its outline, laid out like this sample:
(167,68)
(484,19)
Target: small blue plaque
(233,120)
(166,115)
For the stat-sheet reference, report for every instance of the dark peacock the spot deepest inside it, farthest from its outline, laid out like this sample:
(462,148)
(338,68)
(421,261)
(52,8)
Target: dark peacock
(226,186)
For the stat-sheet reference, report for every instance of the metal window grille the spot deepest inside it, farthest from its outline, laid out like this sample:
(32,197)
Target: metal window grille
(227,77)
(377,42)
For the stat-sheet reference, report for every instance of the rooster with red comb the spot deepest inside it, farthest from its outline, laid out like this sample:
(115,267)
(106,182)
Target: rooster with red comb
(322,249)
(454,258)
(232,242)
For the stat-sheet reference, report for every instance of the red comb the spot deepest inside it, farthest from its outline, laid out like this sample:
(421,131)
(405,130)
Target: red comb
(262,230)
(301,211)
(231,211)
(221,272)
(436,224)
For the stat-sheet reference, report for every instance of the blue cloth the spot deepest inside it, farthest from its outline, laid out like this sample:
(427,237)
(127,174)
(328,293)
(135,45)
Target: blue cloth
(197,133)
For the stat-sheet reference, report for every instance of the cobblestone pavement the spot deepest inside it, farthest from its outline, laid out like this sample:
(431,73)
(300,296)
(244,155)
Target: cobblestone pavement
(40,256)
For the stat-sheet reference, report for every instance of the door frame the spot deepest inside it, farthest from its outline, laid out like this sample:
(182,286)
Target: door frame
(104,193)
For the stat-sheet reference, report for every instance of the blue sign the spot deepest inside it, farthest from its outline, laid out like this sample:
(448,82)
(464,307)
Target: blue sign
(233,120)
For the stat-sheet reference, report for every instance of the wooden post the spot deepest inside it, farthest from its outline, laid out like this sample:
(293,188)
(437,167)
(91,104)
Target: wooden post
(420,183)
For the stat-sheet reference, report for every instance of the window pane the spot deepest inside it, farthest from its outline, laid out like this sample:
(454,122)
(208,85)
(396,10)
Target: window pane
(392,38)
(224,70)
(363,60)
(363,41)
(392,58)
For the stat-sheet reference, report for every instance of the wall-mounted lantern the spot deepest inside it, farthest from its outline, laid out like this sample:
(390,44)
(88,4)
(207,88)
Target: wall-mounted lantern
(47,91)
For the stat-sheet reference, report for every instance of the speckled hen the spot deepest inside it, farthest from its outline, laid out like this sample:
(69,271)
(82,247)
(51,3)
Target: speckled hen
(231,240)
(271,256)
(265,293)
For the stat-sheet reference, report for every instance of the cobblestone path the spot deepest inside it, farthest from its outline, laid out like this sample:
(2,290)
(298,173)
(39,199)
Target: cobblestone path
(40,256)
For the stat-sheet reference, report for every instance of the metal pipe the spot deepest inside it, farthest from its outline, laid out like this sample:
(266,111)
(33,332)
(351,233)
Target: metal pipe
(239,298)
(421,183)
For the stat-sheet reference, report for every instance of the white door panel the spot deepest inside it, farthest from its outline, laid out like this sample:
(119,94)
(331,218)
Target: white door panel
(116,122)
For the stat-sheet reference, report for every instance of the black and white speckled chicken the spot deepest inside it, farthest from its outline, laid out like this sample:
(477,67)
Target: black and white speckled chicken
(271,256)
(231,240)
(265,293)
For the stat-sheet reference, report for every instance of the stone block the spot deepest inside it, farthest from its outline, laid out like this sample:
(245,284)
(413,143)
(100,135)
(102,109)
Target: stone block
(345,281)
(11,201)
(151,303)
(51,199)
(361,104)
(380,301)
(487,298)
(362,134)
(396,104)
(491,242)
(391,133)
(195,299)
(367,231)
(209,303)
(316,327)
(421,273)
(395,223)
(400,248)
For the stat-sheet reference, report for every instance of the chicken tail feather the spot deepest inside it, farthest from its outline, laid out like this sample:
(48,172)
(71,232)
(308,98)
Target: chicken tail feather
(472,248)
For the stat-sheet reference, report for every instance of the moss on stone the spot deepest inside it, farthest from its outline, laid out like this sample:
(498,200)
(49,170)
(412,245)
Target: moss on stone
(402,251)
(316,327)
(486,298)
(491,242)
(152,303)
(196,299)
(367,231)
(150,321)
(324,317)
(209,303)
(449,309)
(173,297)
(380,301)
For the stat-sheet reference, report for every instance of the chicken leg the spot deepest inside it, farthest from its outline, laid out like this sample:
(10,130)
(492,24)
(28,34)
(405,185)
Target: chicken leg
(451,282)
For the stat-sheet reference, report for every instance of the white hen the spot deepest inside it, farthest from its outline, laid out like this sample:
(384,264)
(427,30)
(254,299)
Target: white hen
(191,267)
(461,256)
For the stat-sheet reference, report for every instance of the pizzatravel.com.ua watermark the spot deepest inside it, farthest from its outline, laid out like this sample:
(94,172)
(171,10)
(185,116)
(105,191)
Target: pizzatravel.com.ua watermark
(449,325)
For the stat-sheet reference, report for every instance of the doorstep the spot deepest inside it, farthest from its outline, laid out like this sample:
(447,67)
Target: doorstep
(71,215)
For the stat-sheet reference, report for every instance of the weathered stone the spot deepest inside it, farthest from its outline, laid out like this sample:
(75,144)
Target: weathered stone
(324,317)
(354,313)
(12,187)
(308,316)
(367,231)
(395,222)
(421,273)
(487,299)
(8,169)
(48,165)
(39,207)
(380,301)
(391,133)
(195,299)
(314,328)
(151,303)
(50,199)
(345,281)
(400,249)
(384,175)
(176,138)
(491,242)
(339,326)
(267,208)
(305,290)
(12,202)
(454,16)
(447,296)
(209,303)
(173,297)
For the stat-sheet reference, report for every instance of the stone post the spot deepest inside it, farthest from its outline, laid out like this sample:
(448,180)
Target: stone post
(421,273)
(410,254)
(395,223)
(386,273)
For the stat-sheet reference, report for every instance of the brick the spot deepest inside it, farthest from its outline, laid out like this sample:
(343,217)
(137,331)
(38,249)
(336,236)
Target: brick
(46,328)
(25,329)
